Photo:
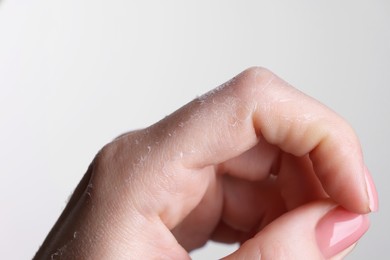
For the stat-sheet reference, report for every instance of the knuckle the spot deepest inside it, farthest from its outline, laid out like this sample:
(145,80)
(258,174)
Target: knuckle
(253,80)
(258,73)
(103,157)
(126,134)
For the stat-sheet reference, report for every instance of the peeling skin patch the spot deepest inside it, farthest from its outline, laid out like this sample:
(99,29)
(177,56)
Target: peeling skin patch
(60,251)
(202,99)
(143,156)
(89,189)
(225,99)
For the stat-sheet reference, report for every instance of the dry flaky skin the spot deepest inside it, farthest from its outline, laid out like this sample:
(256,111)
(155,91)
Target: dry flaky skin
(222,167)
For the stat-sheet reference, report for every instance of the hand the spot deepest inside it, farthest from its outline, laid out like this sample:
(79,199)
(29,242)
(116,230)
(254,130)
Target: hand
(254,161)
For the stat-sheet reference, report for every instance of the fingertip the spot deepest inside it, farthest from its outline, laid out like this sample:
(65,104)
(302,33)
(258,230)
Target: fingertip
(371,191)
(338,163)
(344,253)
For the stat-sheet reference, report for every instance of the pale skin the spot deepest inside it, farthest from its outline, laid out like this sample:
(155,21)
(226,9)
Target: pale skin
(224,167)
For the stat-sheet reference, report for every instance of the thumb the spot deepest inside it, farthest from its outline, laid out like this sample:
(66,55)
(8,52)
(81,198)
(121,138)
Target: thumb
(319,230)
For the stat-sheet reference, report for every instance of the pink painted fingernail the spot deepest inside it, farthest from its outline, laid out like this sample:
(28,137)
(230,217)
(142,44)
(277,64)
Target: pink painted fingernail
(339,229)
(371,190)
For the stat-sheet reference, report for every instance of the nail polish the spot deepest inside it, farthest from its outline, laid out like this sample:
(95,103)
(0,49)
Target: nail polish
(338,230)
(371,191)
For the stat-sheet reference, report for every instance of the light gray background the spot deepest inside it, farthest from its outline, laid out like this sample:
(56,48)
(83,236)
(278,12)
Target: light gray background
(74,74)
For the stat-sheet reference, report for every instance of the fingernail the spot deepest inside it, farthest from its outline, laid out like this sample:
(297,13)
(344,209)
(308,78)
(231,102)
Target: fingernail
(371,191)
(338,230)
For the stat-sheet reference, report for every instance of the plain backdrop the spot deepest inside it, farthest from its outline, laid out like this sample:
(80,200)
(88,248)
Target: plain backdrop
(75,74)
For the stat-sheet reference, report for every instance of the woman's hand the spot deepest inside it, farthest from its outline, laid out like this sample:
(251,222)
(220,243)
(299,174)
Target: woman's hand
(254,161)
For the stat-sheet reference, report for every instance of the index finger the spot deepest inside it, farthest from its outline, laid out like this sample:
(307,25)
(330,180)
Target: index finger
(256,104)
